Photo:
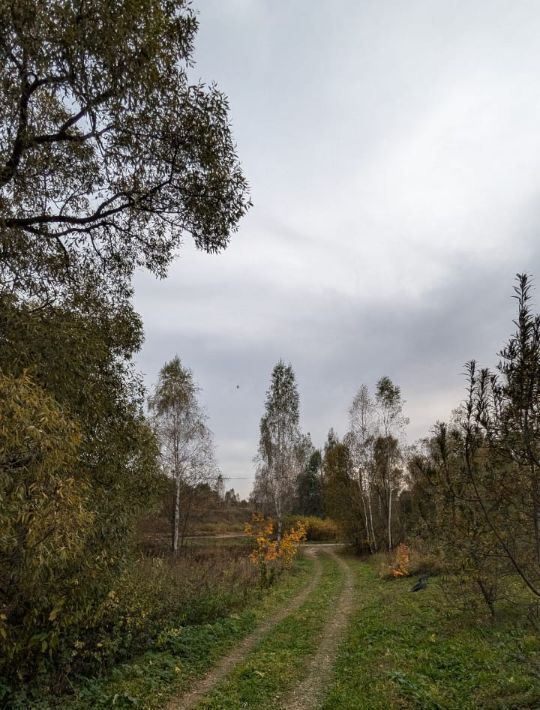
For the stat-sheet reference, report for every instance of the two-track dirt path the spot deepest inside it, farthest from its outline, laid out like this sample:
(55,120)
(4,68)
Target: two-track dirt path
(308,694)
(239,652)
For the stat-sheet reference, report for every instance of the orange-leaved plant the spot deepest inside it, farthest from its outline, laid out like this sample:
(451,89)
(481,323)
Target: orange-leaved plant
(270,554)
(402,562)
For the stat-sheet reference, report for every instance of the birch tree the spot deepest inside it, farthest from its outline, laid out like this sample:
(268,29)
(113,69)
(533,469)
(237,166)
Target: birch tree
(375,429)
(363,428)
(279,445)
(388,459)
(186,441)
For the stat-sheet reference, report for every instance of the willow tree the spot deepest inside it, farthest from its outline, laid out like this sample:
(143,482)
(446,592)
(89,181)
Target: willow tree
(279,445)
(186,442)
(109,154)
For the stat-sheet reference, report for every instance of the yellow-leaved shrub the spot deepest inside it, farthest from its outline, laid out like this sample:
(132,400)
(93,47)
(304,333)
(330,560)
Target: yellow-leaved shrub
(270,554)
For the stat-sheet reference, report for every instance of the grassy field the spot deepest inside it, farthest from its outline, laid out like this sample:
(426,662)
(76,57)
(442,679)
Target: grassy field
(421,650)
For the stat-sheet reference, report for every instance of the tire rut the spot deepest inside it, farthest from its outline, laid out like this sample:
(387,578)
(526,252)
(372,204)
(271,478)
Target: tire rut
(239,652)
(310,692)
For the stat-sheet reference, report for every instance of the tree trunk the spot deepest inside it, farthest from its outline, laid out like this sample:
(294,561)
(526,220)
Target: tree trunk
(373,540)
(390,520)
(176,521)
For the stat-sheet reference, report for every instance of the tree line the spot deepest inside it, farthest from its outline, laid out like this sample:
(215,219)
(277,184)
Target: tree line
(357,480)
(469,493)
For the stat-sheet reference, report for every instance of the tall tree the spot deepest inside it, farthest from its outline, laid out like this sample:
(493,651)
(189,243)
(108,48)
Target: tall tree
(339,489)
(388,461)
(375,429)
(309,486)
(279,444)
(186,442)
(108,153)
(63,370)
(482,469)
(363,430)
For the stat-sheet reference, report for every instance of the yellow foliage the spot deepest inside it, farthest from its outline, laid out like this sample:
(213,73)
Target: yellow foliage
(267,549)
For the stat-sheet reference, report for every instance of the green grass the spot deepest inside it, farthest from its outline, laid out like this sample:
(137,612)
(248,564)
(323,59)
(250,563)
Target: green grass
(402,650)
(180,655)
(418,650)
(280,660)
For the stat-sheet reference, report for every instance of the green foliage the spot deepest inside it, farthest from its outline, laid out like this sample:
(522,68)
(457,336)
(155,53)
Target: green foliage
(151,604)
(108,155)
(339,491)
(78,466)
(309,487)
(45,524)
(184,647)
(83,361)
(475,487)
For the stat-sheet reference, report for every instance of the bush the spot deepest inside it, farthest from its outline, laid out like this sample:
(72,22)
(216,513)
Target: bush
(317,529)
(156,594)
(44,524)
(145,604)
(407,561)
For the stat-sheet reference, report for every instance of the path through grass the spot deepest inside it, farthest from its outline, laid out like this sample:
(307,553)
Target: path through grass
(281,660)
(182,655)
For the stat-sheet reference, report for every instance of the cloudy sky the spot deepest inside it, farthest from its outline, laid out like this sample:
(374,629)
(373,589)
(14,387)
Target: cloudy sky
(393,152)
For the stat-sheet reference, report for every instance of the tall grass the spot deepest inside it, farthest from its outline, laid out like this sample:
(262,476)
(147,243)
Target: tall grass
(152,596)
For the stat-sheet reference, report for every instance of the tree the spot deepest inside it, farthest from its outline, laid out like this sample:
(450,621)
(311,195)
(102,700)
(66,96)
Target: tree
(482,469)
(84,362)
(309,486)
(340,501)
(279,445)
(387,480)
(70,374)
(45,520)
(186,442)
(108,154)
(387,451)
(376,425)
(363,429)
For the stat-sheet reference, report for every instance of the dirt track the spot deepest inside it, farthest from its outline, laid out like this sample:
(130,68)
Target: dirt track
(310,691)
(234,657)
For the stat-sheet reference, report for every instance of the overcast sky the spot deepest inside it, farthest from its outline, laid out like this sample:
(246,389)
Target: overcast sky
(393,152)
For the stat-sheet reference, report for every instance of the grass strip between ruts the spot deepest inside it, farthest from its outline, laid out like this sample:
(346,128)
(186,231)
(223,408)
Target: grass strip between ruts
(266,675)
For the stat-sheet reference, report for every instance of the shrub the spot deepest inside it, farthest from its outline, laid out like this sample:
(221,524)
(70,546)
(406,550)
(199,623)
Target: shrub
(151,599)
(408,561)
(317,529)
(44,524)
(269,554)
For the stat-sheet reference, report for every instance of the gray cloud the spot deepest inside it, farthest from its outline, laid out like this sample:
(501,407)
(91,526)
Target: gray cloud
(393,154)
